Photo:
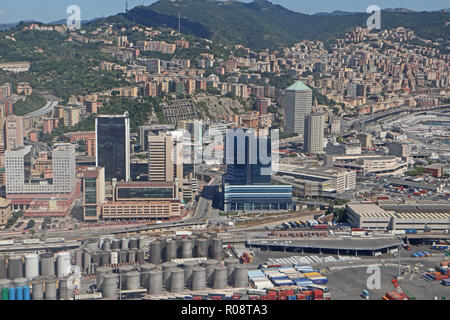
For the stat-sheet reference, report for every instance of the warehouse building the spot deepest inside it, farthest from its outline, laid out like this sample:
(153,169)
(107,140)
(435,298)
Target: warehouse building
(399,217)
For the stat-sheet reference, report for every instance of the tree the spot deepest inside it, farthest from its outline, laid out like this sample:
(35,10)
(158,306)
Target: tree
(31,224)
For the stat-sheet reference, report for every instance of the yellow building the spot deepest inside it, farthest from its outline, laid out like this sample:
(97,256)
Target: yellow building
(5,211)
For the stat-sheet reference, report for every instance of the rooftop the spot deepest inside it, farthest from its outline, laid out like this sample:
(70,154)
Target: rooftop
(298,86)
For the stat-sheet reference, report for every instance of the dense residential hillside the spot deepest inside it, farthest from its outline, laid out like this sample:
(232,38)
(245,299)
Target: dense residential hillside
(261,24)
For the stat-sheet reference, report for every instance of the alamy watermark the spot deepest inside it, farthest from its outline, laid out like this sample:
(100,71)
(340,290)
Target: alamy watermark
(374,21)
(74,20)
(374,280)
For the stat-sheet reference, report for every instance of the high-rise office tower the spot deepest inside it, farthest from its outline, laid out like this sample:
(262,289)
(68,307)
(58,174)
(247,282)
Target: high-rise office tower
(314,130)
(64,168)
(298,105)
(13,132)
(165,163)
(113,145)
(248,157)
(93,192)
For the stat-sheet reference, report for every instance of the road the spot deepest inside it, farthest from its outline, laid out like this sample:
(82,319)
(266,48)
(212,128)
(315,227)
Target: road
(44,110)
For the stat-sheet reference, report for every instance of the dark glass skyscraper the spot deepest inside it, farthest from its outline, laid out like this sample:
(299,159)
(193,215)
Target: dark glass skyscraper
(249,159)
(113,145)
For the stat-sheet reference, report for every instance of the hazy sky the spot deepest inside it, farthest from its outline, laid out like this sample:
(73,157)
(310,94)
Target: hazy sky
(52,10)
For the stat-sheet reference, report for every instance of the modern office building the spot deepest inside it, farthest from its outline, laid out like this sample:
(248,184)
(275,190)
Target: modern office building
(154,130)
(113,145)
(93,184)
(343,148)
(314,132)
(298,105)
(248,157)
(143,200)
(399,149)
(257,197)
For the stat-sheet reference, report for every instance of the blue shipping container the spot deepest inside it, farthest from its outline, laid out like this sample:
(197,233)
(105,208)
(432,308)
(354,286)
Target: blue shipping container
(19,293)
(12,293)
(26,293)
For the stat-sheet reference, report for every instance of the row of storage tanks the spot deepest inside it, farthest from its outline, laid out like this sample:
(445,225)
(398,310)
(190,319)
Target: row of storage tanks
(40,288)
(191,275)
(33,265)
(165,250)
(112,243)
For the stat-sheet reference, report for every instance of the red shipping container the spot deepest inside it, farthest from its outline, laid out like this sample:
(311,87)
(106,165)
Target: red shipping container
(290,292)
(300,297)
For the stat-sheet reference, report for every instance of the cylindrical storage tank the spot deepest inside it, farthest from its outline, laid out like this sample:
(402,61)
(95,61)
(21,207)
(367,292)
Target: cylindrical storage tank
(188,267)
(26,293)
(231,264)
(145,272)
(115,244)
(123,256)
(86,260)
(96,258)
(106,258)
(110,286)
(142,242)
(47,264)
(134,243)
(79,258)
(186,249)
(124,243)
(100,243)
(101,272)
(171,250)
(63,264)
(12,293)
(5,293)
(198,279)
(155,252)
(37,290)
(216,248)
(220,277)
(155,282)
(19,293)
(167,268)
(50,289)
(194,244)
(241,276)
(123,270)
(210,266)
(115,257)
(62,289)
(31,266)
(3,270)
(132,256)
(177,280)
(133,280)
(140,256)
(15,267)
(202,247)
(107,244)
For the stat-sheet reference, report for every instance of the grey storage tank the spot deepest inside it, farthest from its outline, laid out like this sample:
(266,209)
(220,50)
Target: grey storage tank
(202,247)
(134,243)
(198,279)
(101,272)
(50,289)
(177,280)
(115,244)
(31,266)
(145,274)
(210,266)
(220,277)
(37,289)
(65,293)
(231,263)
(216,248)
(133,280)
(123,270)
(132,256)
(155,252)
(241,276)
(123,256)
(86,260)
(171,250)
(5,283)
(79,258)
(106,258)
(140,256)
(167,268)
(107,244)
(15,267)
(188,267)
(186,249)
(110,286)
(20,282)
(47,264)
(124,243)
(142,242)
(156,282)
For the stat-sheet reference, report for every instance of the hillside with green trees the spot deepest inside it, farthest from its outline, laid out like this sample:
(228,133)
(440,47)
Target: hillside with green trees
(33,102)
(261,24)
